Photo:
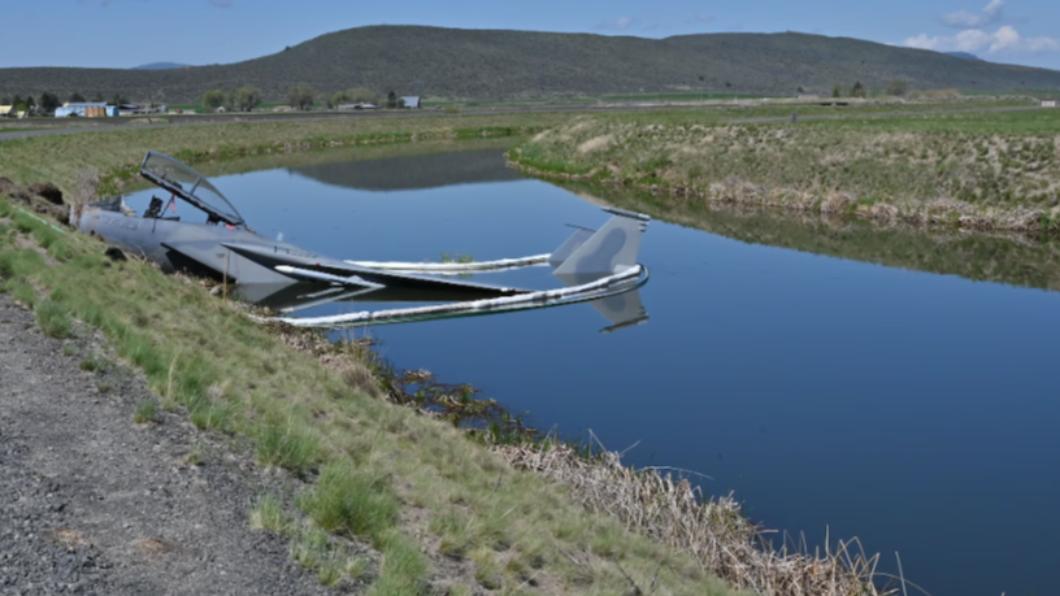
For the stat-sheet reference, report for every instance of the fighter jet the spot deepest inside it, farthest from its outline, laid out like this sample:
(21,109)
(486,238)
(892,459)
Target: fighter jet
(593,264)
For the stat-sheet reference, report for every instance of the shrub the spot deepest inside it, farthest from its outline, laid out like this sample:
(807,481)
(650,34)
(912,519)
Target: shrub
(403,569)
(53,319)
(353,503)
(146,412)
(268,515)
(287,445)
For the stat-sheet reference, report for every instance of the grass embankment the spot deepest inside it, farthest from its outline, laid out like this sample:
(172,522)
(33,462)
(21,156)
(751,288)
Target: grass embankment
(976,167)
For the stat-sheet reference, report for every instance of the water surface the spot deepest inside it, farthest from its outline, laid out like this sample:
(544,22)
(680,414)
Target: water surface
(916,410)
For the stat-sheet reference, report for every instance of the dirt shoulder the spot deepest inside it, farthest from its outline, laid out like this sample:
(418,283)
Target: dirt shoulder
(91,502)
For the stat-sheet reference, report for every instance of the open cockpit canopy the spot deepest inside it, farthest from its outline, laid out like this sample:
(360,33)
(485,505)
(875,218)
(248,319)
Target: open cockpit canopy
(191,186)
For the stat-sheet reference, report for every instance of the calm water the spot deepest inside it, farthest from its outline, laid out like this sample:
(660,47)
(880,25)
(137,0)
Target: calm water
(915,410)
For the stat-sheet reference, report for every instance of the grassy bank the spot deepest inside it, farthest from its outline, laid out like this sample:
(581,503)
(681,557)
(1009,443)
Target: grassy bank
(980,167)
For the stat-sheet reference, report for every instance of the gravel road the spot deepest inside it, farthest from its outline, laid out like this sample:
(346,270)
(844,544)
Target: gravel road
(92,503)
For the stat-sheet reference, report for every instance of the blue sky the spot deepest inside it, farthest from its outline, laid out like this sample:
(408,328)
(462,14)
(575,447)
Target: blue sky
(124,33)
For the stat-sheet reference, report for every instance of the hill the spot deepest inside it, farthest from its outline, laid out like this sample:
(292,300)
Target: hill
(504,64)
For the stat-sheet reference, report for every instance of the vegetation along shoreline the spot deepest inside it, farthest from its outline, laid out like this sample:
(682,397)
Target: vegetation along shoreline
(985,171)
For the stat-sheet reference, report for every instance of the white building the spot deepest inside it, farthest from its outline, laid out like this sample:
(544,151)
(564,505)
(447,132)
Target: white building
(411,101)
(1048,103)
(86,110)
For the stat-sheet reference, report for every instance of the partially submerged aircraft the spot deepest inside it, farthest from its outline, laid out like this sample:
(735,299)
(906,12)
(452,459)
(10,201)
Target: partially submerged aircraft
(595,265)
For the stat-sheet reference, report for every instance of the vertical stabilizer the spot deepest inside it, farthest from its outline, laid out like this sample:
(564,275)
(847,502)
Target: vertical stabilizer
(615,246)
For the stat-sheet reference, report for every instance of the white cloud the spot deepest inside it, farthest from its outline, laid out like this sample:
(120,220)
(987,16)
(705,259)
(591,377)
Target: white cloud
(1004,39)
(963,19)
(923,41)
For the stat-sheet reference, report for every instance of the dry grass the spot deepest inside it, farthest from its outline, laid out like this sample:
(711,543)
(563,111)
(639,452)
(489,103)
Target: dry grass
(713,530)
(996,171)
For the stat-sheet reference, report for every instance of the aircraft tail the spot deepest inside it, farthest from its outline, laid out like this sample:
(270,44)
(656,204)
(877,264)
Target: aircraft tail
(613,247)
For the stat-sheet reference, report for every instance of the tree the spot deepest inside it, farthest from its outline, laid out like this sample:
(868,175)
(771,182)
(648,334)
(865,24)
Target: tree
(897,88)
(76,97)
(858,90)
(48,102)
(355,95)
(302,97)
(337,99)
(5,100)
(98,97)
(119,99)
(837,92)
(213,99)
(362,94)
(244,99)
(391,99)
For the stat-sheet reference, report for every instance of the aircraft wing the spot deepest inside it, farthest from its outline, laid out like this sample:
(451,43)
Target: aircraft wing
(322,269)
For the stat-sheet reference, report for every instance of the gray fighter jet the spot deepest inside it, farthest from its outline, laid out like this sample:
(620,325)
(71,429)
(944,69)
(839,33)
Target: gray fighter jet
(287,277)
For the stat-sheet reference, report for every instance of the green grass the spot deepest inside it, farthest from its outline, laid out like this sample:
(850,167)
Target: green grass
(286,443)
(268,515)
(146,412)
(93,363)
(403,570)
(352,503)
(53,319)
(313,550)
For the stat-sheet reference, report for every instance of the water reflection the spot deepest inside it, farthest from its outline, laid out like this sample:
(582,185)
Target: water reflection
(418,171)
(1012,259)
(620,305)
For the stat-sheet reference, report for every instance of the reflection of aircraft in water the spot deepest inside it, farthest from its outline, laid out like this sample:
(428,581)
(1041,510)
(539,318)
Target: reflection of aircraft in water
(595,265)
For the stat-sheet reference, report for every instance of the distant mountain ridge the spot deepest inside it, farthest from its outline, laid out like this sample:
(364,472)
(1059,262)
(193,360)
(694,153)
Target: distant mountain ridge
(474,63)
(964,56)
(161,66)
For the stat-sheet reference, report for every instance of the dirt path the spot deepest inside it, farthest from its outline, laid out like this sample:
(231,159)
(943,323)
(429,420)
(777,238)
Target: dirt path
(91,502)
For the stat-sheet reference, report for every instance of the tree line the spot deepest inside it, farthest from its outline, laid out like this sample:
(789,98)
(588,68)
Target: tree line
(304,97)
(300,97)
(242,99)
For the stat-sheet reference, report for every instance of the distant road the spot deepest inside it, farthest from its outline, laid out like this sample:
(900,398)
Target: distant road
(55,127)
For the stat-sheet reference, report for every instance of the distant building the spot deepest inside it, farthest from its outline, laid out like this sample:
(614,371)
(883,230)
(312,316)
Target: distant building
(1048,103)
(86,110)
(6,110)
(135,109)
(411,102)
(344,107)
